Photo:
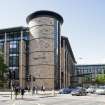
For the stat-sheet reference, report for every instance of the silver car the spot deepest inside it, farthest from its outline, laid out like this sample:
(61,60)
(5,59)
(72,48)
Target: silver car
(91,89)
(79,92)
(100,90)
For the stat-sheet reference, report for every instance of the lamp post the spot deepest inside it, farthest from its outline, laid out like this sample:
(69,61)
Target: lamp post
(11,78)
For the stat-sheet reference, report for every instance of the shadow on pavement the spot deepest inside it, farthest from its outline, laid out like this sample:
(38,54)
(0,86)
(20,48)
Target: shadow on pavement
(27,99)
(4,100)
(46,96)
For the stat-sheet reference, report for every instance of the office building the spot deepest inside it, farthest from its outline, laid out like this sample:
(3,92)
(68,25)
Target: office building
(38,54)
(67,63)
(14,45)
(86,74)
(44,60)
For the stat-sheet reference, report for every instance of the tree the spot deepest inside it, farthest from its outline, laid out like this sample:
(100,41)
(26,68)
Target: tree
(100,79)
(3,69)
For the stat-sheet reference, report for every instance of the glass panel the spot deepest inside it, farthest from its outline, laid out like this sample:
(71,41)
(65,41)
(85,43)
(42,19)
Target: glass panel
(13,36)
(13,61)
(1,46)
(26,36)
(14,47)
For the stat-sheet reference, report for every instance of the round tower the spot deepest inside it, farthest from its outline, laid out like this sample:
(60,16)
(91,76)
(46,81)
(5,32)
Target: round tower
(44,47)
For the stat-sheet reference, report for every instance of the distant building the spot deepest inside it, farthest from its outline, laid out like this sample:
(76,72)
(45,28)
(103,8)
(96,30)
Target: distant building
(38,54)
(86,74)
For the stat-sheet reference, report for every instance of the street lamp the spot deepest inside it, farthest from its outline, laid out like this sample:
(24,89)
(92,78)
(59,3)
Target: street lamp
(11,78)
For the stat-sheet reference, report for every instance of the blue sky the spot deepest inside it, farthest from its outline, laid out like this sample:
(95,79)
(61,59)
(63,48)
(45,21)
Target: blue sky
(84,23)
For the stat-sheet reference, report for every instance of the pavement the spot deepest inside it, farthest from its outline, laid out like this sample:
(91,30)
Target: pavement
(30,93)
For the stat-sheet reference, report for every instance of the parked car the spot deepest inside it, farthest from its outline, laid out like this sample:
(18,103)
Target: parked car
(79,91)
(100,90)
(91,89)
(65,90)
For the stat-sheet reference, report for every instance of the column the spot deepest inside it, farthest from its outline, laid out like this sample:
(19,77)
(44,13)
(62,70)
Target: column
(5,43)
(21,64)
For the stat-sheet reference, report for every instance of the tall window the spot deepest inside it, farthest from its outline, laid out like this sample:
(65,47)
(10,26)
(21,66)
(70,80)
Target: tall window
(1,46)
(13,61)
(14,47)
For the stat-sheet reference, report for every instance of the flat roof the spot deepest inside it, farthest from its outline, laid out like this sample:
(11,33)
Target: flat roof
(85,65)
(44,13)
(69,46)
(13,29)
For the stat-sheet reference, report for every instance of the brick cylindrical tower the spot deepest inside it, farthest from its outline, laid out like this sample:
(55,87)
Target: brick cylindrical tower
(44,56)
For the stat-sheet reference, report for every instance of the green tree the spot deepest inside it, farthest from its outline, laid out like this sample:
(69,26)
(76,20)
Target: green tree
(100,79)
(3,70)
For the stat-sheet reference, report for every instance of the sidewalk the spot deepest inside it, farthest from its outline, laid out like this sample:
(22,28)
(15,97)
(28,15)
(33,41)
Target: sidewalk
(30,93)
(28,98)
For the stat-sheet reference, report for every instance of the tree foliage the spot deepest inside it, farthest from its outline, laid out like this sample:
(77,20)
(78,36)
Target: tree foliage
(3,68)
(100,79)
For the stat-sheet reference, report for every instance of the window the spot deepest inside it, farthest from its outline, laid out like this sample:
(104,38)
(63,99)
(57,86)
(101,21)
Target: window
(1,46)
(13,36)
(26,36)
(13,61)
(14,45)
(16,72)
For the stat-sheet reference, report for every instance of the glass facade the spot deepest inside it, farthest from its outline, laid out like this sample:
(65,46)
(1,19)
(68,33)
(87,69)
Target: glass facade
(11,39)
(1,42)
(1,46)
(90,71)
(57,53)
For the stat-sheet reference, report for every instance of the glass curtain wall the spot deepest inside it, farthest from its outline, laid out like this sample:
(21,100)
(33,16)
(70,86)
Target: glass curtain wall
(13,40)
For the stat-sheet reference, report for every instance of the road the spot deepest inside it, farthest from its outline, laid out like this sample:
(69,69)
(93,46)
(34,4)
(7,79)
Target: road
(57,100)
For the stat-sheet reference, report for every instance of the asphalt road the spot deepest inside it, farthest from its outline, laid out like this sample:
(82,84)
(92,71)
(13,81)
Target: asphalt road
(57,100)
(73,100)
